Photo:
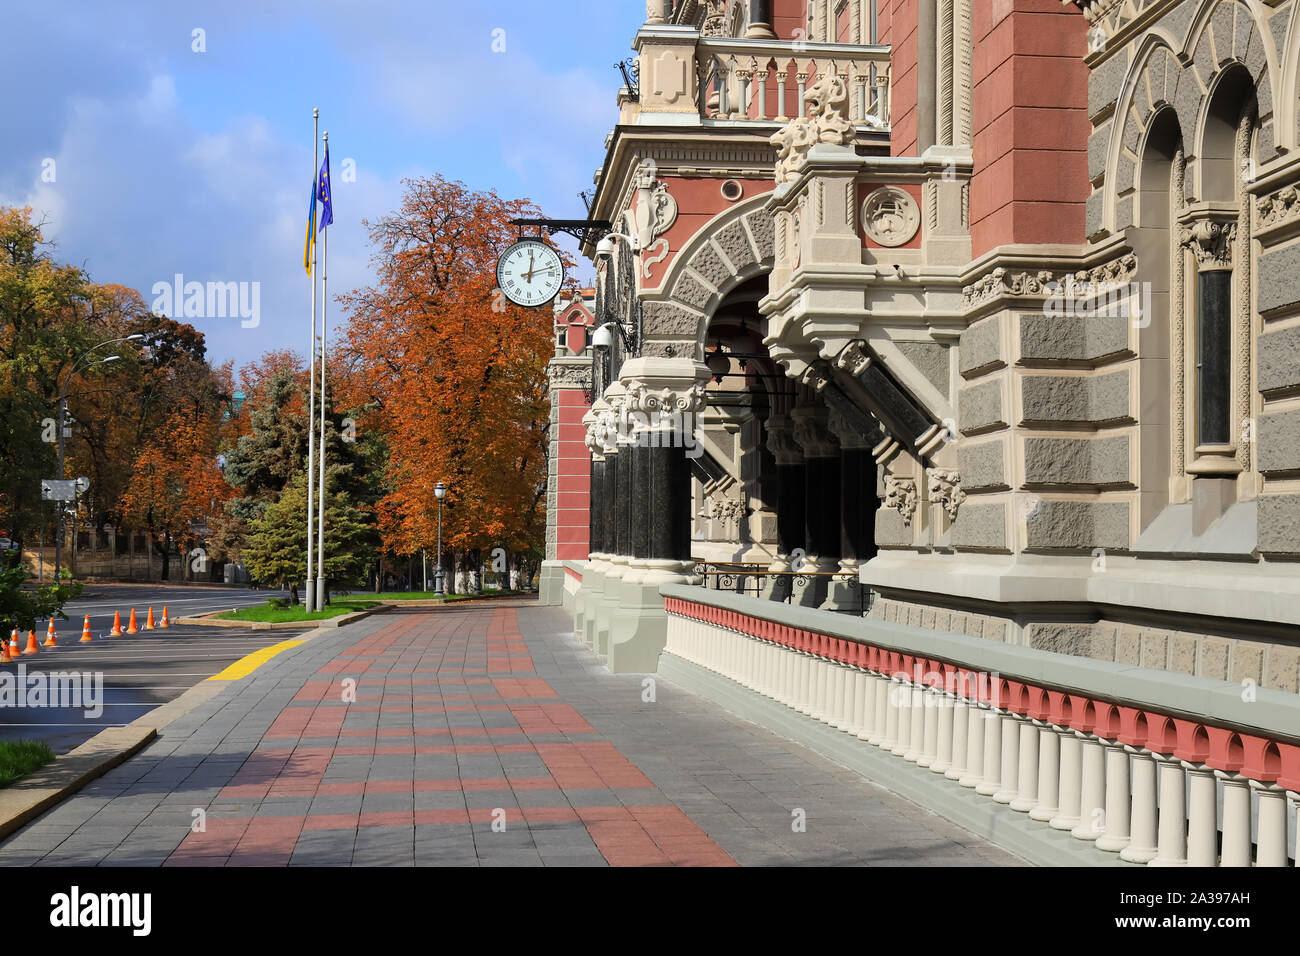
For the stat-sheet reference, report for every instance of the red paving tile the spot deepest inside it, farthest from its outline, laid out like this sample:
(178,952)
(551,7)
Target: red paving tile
(423,652)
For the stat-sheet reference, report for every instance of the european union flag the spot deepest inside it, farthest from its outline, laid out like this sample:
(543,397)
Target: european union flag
(323,192)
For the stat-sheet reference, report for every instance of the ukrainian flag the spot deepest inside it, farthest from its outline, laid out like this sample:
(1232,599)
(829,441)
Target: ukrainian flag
(310,245)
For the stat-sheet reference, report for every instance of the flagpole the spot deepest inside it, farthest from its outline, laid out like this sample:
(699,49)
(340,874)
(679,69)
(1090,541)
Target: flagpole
(311,352)
(324,309)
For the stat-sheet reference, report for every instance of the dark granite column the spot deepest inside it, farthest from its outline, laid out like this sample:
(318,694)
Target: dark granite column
(760,20)
(596,507)
(822,501)
(791,481)
(641,510)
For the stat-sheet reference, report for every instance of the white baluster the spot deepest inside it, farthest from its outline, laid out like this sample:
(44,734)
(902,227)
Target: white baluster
(1142,843)
(1171,848)
(1048,804)
(1119,797)
(880,725)
(992,781)
(780,97)
(916,740)
(930,700)
(973,772)
(1071,781)
(1202,816)
(1006,792)
(1271,838)
(1236,819)
(1092,791)
(944,704)
(961,716)
(904,741)
(1027,785)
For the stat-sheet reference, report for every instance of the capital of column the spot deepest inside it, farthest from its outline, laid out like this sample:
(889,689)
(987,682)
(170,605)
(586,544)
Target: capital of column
(811,432)
(780,441)
(1209,233)
(663,394)
(850,437)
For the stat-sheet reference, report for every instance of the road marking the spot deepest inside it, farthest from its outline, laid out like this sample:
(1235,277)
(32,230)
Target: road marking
(246,665)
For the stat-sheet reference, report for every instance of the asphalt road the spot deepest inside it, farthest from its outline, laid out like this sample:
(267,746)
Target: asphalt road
(134,673)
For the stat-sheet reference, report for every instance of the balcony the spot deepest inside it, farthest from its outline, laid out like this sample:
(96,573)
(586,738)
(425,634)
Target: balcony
(725,81)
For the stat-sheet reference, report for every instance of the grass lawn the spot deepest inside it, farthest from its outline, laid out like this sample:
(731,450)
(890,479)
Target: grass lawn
(21,757)
(270,614)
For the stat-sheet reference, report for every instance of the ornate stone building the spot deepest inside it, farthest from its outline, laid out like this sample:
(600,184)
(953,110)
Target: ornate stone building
(983,318)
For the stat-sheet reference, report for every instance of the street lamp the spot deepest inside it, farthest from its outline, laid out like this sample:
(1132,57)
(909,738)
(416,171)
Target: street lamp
(439,492)
(63,420)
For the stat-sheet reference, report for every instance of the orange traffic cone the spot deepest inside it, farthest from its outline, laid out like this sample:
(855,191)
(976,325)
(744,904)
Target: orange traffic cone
(117,625)
(148,624)
(50,639)
(85,631)
(130,627)
(164,622)
(4,652)
(15,650)
(32,646)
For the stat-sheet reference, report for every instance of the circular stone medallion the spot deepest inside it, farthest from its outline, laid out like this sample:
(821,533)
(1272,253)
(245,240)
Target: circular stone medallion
(890,216)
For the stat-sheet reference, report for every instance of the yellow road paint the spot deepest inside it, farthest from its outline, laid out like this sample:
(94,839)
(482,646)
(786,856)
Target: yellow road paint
(246,665)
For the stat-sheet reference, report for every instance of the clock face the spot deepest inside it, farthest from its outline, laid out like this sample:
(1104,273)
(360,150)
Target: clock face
(530,273)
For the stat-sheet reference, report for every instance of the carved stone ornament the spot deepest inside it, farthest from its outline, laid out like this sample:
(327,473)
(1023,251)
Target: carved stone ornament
(945,490)
(664,401)
(727,501)
(900,494)
(569,376)
(1210,241)
(827,122)
(890,216)
(780,442)
(1001,282)
(854,359)
(1282,206)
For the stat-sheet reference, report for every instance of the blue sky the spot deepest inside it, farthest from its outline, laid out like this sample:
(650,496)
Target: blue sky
(167,160)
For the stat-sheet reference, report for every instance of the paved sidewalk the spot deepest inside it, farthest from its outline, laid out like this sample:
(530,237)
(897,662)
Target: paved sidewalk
(483,735)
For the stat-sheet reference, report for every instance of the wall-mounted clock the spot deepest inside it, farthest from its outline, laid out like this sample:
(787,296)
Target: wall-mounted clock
(530,273)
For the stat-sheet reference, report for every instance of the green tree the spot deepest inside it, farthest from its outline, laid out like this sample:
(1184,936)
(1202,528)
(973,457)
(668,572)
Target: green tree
(276,551)
(22,607)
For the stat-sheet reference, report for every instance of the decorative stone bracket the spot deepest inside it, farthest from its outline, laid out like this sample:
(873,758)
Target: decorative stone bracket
(827,122)
(945,490)
(900,494)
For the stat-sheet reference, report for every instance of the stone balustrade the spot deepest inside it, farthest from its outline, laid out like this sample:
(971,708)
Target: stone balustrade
(765,80)
(1160,769)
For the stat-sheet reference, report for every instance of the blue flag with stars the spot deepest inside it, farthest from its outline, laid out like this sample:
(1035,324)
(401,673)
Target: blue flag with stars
(323,192)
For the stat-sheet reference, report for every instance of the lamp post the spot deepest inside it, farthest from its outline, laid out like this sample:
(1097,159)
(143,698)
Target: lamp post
(439,492)
(63,420)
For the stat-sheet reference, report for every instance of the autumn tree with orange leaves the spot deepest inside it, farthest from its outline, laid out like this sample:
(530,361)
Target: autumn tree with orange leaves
(454,375)
(176,487)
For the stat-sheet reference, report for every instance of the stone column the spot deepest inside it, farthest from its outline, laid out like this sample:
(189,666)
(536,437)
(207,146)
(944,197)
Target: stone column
(658,11)
(790,479)
(1271,841)
(857,503)
(760,20)
(663,398)
(821,503)
(614,564)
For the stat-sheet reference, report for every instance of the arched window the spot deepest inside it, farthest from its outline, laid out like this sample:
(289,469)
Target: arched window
(1215,229)
(1159,200)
